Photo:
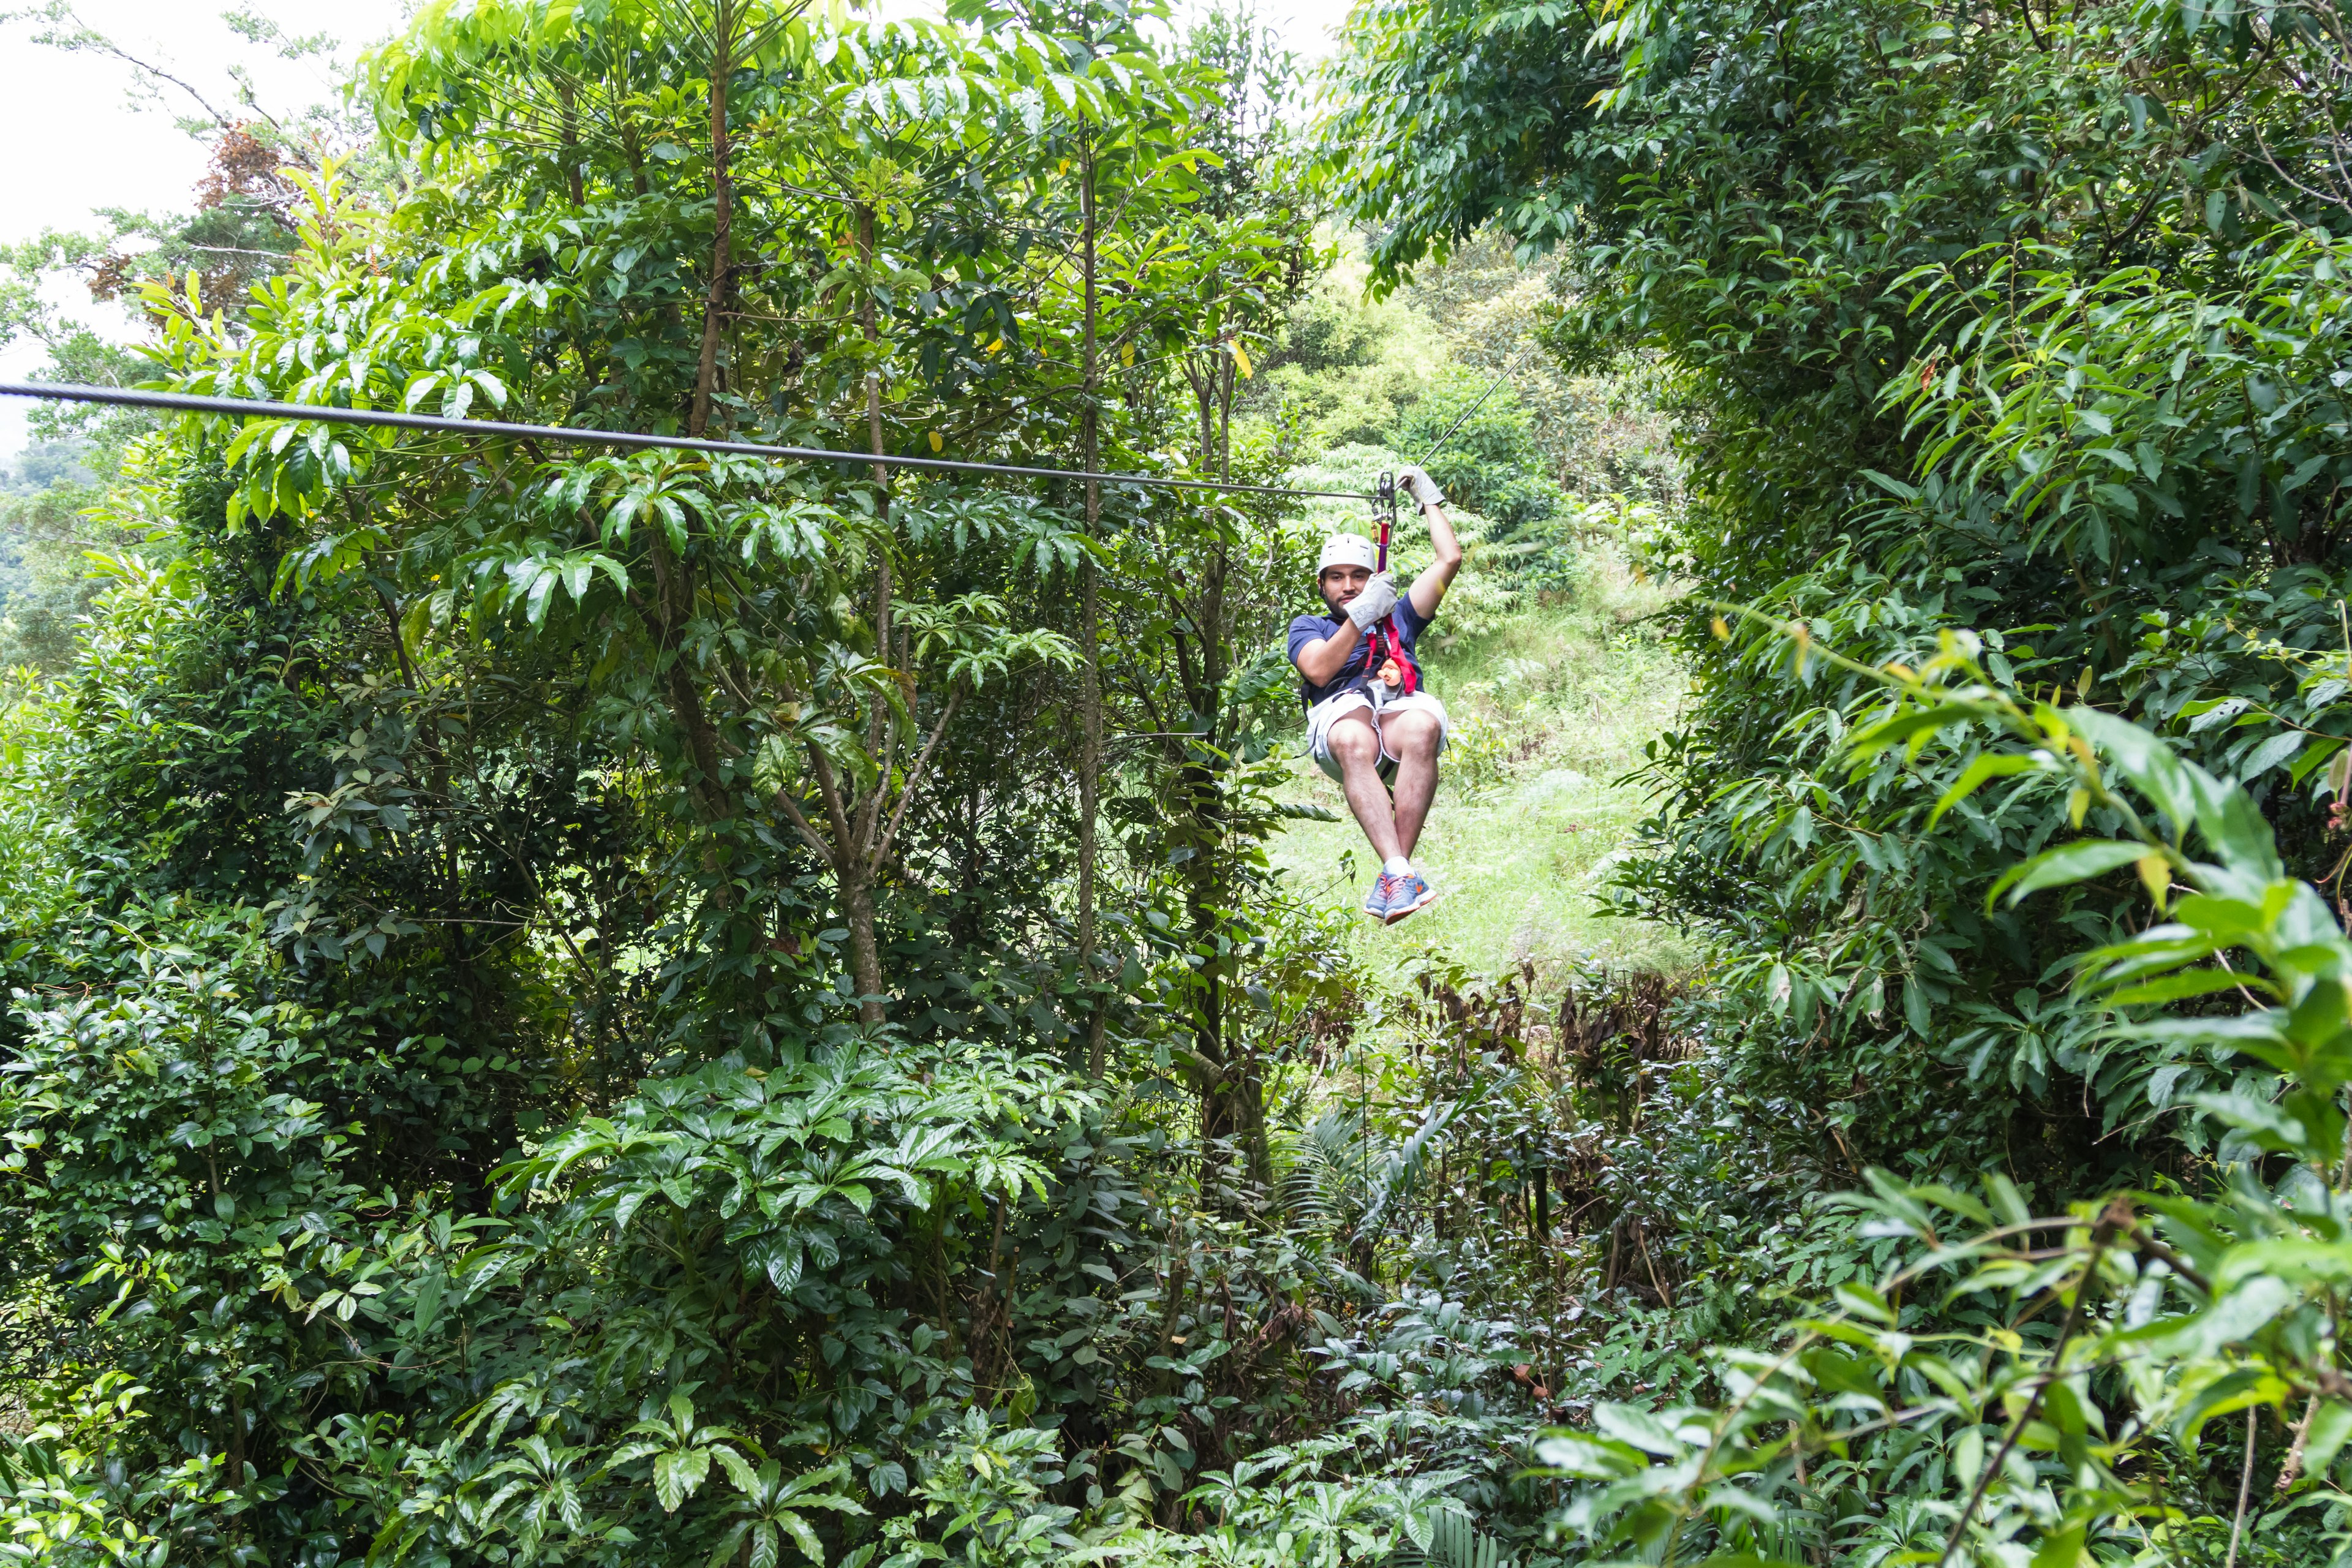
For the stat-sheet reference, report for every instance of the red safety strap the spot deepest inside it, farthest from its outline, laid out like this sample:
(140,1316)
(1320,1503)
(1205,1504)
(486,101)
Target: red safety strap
(1387,640)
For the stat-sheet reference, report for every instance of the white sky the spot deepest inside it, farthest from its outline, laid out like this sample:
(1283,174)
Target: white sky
(80,138)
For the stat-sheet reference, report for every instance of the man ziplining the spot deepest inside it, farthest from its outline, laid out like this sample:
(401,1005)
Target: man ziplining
(1370,724)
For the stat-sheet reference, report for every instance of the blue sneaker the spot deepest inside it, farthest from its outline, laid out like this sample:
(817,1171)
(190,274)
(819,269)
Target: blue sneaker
(1383,894)
(1410,894)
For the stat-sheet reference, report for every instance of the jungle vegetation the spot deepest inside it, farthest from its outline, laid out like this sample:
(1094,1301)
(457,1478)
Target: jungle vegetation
(591,1008)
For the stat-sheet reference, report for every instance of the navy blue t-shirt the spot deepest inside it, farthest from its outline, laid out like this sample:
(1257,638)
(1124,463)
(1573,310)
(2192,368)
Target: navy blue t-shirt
(1405,624)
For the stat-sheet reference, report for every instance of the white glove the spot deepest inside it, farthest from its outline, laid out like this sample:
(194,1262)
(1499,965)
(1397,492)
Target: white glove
(1370,607)
(1415,482)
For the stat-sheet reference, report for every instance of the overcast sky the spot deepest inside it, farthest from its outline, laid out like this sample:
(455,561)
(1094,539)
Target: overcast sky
(81,137)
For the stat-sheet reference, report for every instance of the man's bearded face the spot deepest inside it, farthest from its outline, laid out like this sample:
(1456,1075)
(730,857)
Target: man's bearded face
(1341,584)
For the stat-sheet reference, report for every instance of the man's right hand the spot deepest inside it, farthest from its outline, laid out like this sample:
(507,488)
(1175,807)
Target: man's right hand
(1370,607)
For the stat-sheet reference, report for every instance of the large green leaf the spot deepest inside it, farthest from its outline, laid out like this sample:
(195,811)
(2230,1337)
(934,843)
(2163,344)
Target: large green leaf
(2062,867)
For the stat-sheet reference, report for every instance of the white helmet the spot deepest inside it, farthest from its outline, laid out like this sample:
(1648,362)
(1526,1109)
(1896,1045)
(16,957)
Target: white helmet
(1348,550)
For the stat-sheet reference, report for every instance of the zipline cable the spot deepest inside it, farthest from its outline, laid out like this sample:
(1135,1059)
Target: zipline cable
(254,409)
(1500,377)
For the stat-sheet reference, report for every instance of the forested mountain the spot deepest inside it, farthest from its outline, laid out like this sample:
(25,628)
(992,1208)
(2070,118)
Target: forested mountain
(604,1006)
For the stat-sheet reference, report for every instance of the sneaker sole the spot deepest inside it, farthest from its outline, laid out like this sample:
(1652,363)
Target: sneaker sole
(1414,907)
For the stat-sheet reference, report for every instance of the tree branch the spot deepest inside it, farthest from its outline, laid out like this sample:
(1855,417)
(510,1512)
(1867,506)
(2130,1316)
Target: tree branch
(809,835)
(915,778)
(831,794)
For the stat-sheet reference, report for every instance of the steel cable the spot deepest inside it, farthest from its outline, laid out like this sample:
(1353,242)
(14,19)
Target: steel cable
(254,409)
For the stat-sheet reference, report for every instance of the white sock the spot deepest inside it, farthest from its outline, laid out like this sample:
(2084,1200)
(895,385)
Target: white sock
(1398,866)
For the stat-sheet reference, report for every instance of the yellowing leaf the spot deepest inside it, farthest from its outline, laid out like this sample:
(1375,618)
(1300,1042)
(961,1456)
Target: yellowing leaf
(1241,359)
(2156,876)
(936,442)
(1127,355)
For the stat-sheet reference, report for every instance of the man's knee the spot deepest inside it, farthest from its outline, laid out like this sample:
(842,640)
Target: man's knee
(1413,734)
(1353,741)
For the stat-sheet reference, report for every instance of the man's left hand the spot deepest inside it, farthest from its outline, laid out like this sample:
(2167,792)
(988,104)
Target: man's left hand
(1414,481)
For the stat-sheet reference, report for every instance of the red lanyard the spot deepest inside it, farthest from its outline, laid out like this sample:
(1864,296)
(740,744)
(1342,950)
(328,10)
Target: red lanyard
(1386,641)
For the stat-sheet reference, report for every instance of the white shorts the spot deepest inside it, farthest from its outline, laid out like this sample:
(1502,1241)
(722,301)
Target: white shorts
(1320,718)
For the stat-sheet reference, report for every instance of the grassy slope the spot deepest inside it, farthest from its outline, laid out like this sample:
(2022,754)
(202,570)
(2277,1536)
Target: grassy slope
(1552,704)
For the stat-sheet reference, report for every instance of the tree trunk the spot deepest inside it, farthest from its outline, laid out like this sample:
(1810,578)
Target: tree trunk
(673,607)
(864,945)
(1226,414)
(861,857)
(1089,633)
(868,320)
(722,194)
(1204,400)
(571,133)
(673,577)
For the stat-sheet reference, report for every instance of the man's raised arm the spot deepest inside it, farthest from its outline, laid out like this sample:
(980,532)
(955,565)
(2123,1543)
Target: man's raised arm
(1429,588)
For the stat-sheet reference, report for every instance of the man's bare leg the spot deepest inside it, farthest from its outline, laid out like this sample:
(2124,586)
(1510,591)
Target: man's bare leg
(1412,739)
(1356,747)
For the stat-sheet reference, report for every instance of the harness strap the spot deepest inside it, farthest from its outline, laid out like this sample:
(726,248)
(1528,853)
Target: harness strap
(1387,640)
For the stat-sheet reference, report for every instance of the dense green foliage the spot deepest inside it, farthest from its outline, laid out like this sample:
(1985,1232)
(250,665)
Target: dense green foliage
(583,1008)
(2004,324)
(2032,322)
(565,1005)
